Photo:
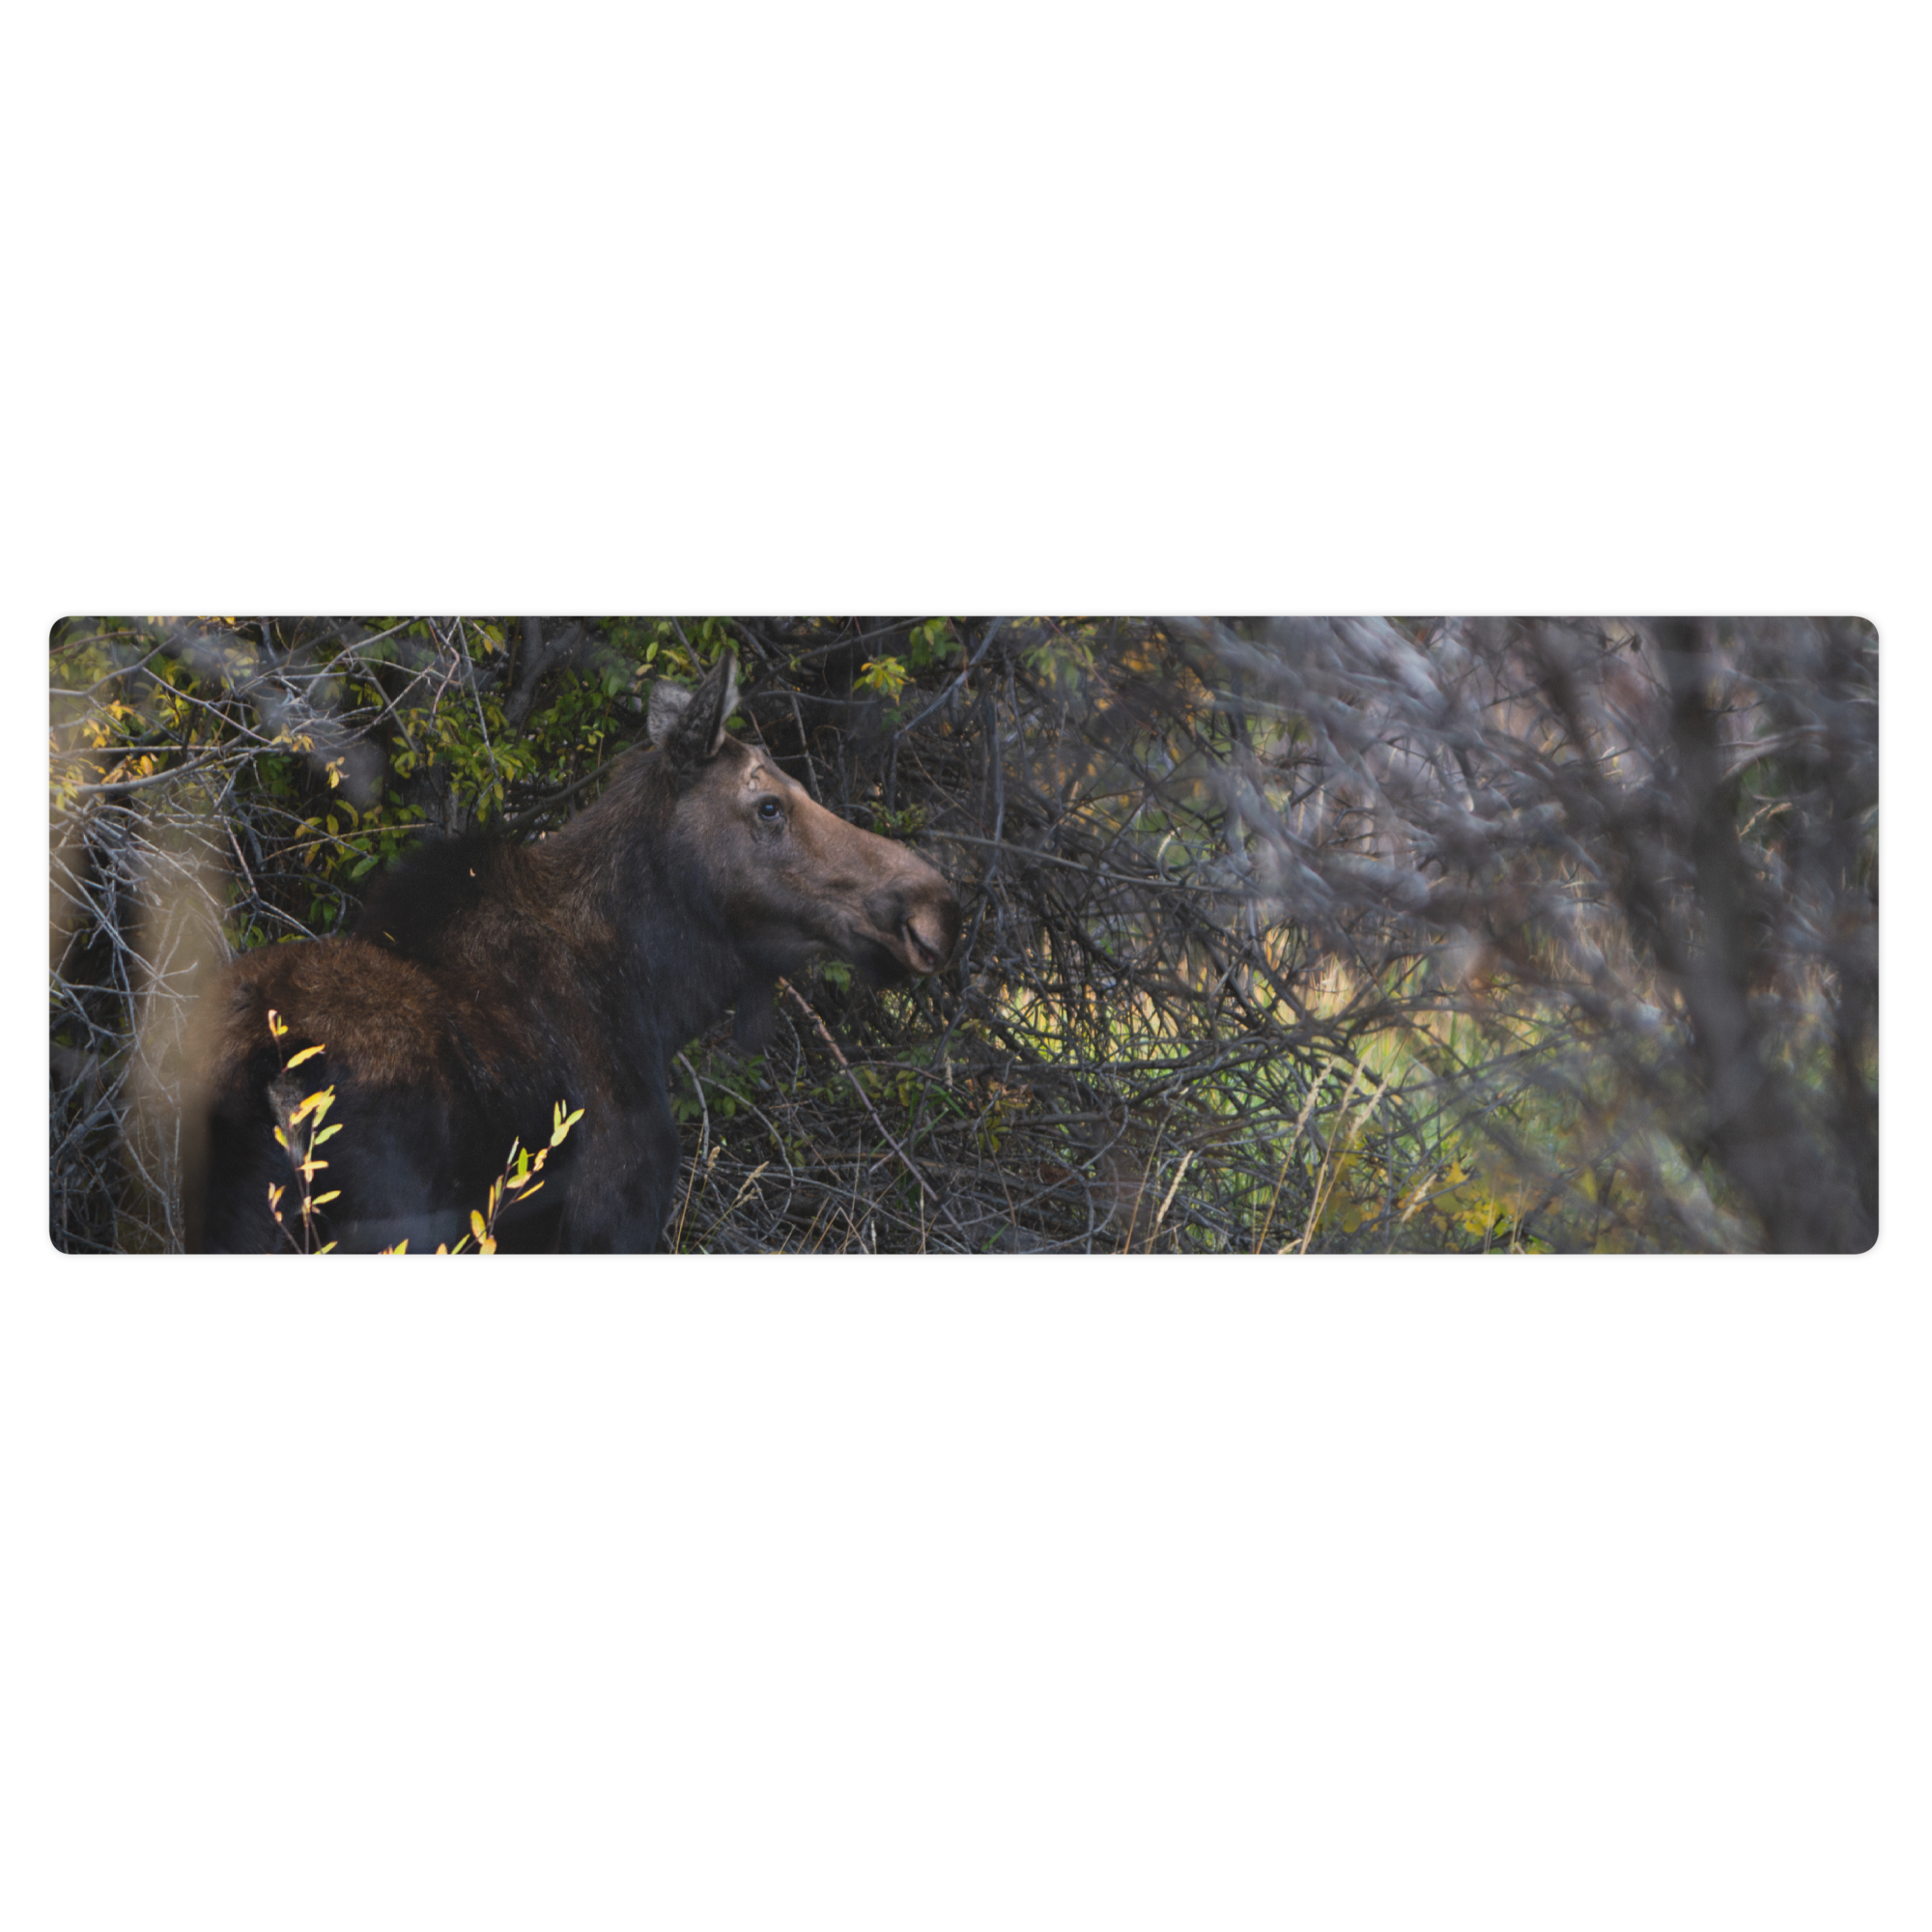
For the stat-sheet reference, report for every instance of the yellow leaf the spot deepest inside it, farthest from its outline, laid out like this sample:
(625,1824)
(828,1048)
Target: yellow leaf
(477,1224)
(402,1247)
(307,1053)
(333,1194)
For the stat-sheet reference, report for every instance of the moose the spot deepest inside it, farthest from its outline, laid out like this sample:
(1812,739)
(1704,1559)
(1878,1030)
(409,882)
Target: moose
(483,982)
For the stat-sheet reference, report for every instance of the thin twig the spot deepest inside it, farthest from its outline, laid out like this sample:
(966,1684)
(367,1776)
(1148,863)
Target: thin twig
(703,1141)
(905,1159)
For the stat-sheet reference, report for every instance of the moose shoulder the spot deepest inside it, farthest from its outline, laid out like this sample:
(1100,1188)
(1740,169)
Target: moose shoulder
(484,982)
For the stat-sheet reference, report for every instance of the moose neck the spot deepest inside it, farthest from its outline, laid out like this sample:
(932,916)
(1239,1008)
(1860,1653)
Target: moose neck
(669,967)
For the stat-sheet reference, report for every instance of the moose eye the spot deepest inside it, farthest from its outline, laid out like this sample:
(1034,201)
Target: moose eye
(770,810)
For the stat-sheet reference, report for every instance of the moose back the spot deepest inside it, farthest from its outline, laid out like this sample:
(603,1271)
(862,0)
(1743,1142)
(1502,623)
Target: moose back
(483,982)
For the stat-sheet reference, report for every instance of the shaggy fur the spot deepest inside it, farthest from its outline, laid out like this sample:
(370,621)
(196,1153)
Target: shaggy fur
(485,981)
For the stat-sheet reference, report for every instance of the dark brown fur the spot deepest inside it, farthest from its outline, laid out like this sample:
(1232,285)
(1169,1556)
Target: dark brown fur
(485,981)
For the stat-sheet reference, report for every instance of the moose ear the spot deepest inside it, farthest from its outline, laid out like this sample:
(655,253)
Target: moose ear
(689,724)
(667,707)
